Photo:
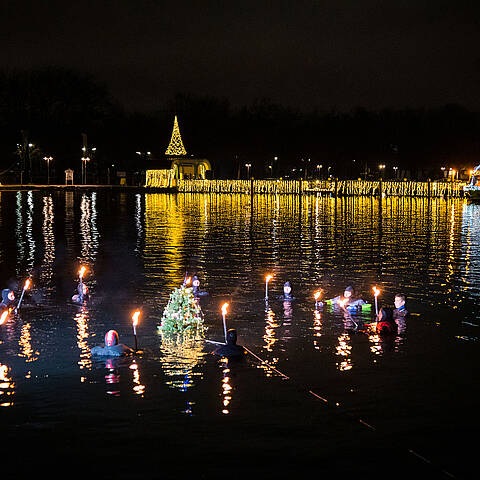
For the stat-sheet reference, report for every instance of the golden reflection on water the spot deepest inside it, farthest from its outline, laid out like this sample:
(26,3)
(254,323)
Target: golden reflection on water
(25,344)
(164,237)
(180,355)
(344,351)
(82,321)
(7,387)
(138,388)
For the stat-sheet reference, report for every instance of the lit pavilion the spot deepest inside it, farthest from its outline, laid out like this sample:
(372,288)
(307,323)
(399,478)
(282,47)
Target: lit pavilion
(182,167)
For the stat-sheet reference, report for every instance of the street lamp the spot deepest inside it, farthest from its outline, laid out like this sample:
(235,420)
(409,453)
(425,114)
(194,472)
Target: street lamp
(248,165)
(84,165)
(48,160)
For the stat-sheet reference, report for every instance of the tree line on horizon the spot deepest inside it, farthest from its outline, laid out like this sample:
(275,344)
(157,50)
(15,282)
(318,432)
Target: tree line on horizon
(50,108)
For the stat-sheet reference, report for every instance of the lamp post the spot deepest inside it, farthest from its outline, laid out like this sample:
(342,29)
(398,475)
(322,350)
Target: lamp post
(84,169)
(48,160)
(248,165)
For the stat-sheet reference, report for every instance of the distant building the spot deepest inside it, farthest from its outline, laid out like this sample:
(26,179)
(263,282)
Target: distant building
(181,165)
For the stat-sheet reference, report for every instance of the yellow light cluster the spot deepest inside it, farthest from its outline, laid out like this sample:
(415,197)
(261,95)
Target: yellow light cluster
(176,148)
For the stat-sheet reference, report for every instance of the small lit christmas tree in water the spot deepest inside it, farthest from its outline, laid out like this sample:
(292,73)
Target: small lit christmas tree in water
(183,314)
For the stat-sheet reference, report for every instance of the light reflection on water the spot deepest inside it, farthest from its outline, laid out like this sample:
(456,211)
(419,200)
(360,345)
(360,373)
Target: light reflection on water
(138,248)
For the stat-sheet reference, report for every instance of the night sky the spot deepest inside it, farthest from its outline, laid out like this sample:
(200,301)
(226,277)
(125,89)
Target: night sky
(331,54)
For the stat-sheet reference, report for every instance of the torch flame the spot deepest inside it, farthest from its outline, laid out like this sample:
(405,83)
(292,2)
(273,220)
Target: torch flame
(135,318)
(316,295)
(188,280)
(268,278)
(27,284)
(224,308)
(376,291)
(81,272)
(4,316)
(342,302)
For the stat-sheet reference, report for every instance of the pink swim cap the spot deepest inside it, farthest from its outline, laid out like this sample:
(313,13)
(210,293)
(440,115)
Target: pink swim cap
(111,338)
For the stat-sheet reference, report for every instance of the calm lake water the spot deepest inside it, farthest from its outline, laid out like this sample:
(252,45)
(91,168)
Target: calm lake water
(403,406)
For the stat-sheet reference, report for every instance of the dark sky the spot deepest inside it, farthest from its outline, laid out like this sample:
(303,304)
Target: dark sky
(303,53)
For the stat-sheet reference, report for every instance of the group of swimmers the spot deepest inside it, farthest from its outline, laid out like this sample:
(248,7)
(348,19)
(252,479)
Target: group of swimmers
(389,320)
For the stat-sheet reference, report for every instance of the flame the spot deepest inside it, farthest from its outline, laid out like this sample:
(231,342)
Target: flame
(316,295)
(188,280)
(268,278)
(342,302)
(4,316)
(81,272)
(27,284)
(135,318)
(376,291)
(224,308)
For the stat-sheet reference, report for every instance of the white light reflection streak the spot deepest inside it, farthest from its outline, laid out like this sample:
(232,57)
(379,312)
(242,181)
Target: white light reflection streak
(226,387)
(49,241)
(19,232)
(30,239)
(138,221)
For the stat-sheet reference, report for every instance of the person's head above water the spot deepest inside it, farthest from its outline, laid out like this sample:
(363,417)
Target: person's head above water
(399,300)
(111,338)
(195,282)
(385,315)
(7,295)
(287,289)
(348,292)
(231,336)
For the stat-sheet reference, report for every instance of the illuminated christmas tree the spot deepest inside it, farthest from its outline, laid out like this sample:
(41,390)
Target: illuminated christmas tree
(182,313)
(176,148)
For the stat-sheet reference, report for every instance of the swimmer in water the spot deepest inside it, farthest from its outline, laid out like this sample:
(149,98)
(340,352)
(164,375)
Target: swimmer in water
(196,287)
(82,294)
(385,323)
(350,301)
(112,348)
(400,313)
(8,298)
(231,349)
(287,293)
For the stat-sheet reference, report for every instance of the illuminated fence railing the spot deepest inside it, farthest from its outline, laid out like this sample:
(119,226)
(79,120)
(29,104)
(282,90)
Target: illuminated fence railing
(388,188)
(159,178)
(238,186)
(164,179)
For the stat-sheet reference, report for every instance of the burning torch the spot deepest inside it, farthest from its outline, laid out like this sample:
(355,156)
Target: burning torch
(134,325)
(224,313)
(376,292)
(317,296)
(4,316)
(267,279)
(25,287)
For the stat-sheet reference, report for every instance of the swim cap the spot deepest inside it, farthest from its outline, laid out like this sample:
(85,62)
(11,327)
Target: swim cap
(111,338)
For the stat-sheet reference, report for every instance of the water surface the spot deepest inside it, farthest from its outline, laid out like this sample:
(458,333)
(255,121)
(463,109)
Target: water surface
(176,410)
